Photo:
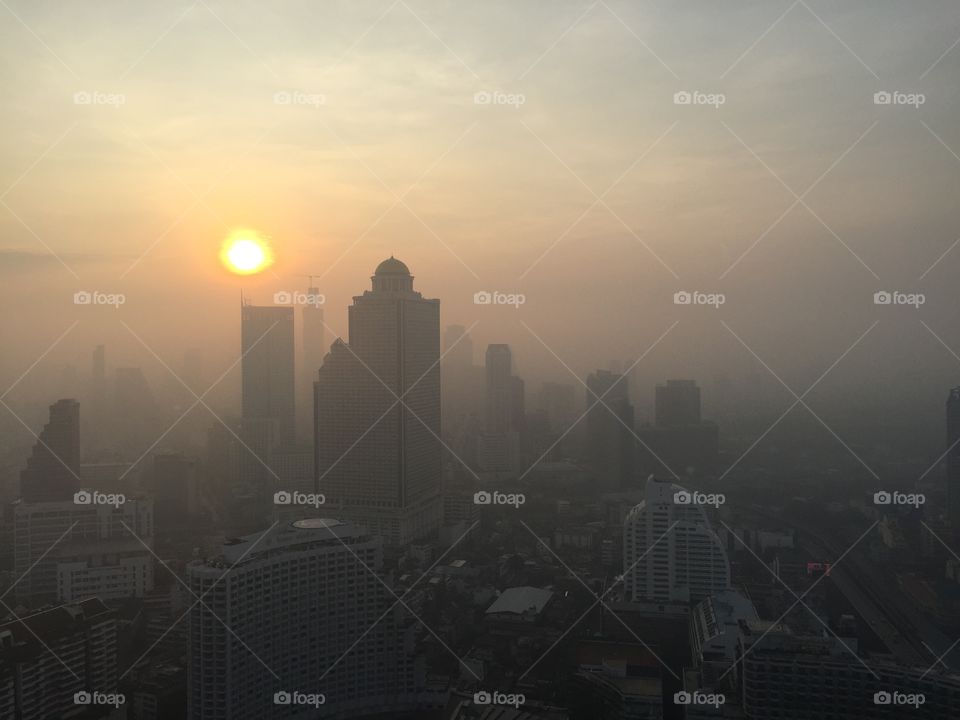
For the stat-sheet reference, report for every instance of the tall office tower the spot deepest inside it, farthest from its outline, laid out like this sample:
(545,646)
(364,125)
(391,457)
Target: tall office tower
(499,443)
(267,344)
(73,549)
(49,656)
(306,616)
(461,391)
(313,348)
(677,403)
(53,466)
(670,551)
(953,461)
(609,430)
(377,459)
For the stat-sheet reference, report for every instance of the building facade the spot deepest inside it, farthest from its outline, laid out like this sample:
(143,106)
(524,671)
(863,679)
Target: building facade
(307,617)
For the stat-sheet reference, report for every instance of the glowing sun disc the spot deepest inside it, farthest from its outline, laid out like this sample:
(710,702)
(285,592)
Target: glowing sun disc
(246,253)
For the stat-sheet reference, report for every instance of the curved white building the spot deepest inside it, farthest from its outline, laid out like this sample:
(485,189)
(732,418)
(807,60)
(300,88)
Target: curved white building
(295,624)
(684,564)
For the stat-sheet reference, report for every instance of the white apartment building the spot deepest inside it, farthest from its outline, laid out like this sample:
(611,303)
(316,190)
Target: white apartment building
(670,551)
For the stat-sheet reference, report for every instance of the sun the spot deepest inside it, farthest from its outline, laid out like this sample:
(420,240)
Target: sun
(246,252)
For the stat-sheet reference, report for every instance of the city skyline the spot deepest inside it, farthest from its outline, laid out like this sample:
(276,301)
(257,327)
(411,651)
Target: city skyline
(417,360)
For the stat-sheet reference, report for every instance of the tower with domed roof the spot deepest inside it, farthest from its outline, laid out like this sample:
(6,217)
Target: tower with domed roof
(377,411)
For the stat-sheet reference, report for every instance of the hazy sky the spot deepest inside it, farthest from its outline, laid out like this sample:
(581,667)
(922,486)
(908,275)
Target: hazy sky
(384,149)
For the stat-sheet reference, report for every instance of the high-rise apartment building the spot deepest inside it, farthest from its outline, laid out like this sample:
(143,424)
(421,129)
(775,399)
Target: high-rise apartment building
(307,617)
(56,662)
(670,551)
(377,411)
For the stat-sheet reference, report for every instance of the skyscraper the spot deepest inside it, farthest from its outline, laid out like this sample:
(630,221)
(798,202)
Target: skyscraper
(953,461)
(503,403)
(377,411)
(609,423)
(313,340)
(677,403)
(53,466)
(307,616)
(670,551)
(267,343)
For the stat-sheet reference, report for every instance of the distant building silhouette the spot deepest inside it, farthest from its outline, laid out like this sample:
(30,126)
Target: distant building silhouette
(267,343)
(313,349)
(677,403)
(670,551)
(609,439)
(680,441)
(52,471)
(377,411)
(503,407)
